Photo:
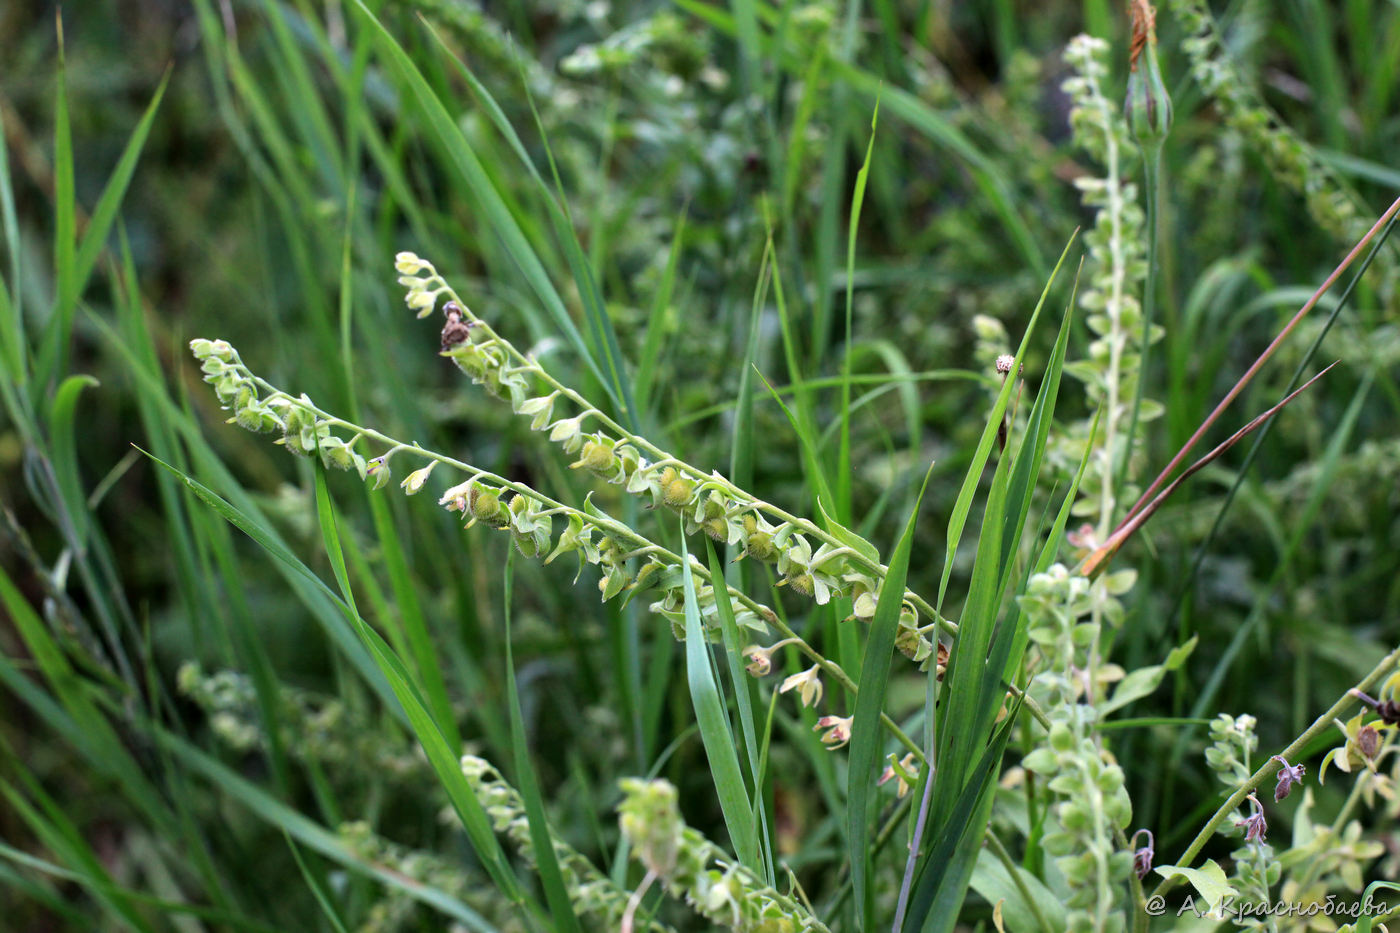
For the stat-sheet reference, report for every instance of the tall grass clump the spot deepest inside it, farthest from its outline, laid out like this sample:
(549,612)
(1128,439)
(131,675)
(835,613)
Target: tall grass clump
(609,466)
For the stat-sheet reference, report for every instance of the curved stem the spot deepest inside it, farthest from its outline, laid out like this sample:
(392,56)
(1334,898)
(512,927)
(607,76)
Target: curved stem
(873,567)
(613,527)
(1260,777)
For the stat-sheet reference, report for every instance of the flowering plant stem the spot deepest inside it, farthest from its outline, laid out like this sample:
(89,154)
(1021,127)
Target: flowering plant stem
(1270,766)
(612,526)
(1152,183)
(874,567)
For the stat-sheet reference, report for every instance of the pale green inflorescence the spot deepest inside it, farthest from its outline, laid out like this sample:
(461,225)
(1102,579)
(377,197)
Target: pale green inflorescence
(591,893)
(1115,271)
(693,869)
(529,517)
(1092,806)
(1289,158)
(628,562)
(1229,756)
(840,563)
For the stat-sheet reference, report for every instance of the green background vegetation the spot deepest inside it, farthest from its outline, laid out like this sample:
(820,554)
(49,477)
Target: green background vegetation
(705,157)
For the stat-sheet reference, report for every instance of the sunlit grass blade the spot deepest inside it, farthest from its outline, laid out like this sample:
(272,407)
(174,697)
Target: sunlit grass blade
(714,728)
(469,168)
(963,504)
(62,412)
(743,695)
(426,658)
(867,739)
(843,457)
(57,337)
(934,900)
(76,260)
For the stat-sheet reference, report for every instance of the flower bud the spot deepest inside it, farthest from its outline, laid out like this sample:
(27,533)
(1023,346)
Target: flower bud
(377,472)
(414,481)
(1148,108)
(408,263)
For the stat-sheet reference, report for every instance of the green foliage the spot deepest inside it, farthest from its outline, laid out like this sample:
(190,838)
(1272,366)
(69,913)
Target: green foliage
(709,332)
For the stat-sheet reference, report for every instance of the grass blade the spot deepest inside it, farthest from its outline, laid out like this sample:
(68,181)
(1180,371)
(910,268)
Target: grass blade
(443,758)
(963,504)
(714,727)
(866,735)
(560,907)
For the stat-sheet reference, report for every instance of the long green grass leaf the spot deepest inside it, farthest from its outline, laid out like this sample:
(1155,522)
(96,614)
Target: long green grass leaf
(714,727)
(430,736)
(866,734)
(561,908)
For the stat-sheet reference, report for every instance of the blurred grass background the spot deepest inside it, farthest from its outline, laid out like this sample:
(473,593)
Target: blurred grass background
(286,163)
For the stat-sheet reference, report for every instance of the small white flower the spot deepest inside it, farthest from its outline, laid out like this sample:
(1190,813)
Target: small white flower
(414,481)
(760,660)
(808,684)
(421,301)
(409,263)
(838,730)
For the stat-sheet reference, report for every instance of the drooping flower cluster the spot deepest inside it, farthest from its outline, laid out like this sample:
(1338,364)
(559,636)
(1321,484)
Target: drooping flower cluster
(840,564)
(303,433)
(526,515)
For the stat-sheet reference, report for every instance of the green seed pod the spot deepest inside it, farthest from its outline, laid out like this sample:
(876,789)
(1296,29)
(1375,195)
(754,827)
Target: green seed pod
(597,458)
(801,583)
(678,493)
(295,420)
(252,417)
(485,506)
(339,456)
(716,528)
